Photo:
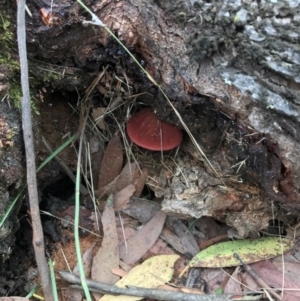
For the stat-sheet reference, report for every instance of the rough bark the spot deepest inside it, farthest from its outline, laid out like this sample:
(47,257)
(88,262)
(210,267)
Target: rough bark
(231,68)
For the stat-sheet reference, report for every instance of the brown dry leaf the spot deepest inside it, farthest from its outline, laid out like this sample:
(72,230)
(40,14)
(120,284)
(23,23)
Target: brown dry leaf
(123,180)
(173,240)
(184,233)
(234,285)
(140,243)
(87,259)
(76,295)
(126,267)
(139,181)
(180,265)
(119,272)
(98,116)
(215,279)
(107,256)
(273,277)
(112,162)
(290,262)
(160,247)
(121,198)
(141,209)
(125,233)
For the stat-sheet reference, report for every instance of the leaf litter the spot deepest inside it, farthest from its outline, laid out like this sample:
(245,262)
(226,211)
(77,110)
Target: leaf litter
(112,162)
(126,184)
(143,240)
(107,256)
(149,274)
(76,295)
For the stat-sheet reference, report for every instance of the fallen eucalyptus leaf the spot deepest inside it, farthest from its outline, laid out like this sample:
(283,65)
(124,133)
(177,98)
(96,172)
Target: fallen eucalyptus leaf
(151,273)
(222,254)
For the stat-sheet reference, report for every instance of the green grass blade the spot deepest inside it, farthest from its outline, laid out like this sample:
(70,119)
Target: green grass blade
(76,228)
(48,159)
(33,291)
(53,280)
(56,152)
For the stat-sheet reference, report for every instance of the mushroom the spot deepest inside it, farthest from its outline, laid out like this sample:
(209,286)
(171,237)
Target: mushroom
(147,131)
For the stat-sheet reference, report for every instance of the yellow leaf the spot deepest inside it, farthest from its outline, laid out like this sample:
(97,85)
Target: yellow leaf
(249,251)
(151,273)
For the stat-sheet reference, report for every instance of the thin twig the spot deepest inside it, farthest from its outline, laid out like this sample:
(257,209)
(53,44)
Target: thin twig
(67,170)
(38,237)
(155,294)
(257,278)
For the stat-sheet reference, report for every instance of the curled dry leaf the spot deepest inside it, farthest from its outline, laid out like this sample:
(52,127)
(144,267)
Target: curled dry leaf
(139,181)
(112,162)
(123,180)
(121,198)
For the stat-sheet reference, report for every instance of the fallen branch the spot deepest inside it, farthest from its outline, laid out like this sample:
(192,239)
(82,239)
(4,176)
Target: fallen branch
(37,237)
(155,294)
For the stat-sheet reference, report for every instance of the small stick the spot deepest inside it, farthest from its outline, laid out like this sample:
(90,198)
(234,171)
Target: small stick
(256,277)
(37,230)
(67,170)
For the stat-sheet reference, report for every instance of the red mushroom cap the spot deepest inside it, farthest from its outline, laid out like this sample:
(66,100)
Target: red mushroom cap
(147,131)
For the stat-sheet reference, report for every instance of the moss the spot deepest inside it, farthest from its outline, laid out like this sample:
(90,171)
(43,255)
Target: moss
(9,58)
(7,44)
(15,93)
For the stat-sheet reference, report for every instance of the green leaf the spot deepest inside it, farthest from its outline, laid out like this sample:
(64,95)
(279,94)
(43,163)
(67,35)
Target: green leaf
(222,254)
(219,291)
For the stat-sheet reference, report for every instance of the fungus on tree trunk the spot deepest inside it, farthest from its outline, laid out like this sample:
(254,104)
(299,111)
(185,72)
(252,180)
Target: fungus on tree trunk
(146,130)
